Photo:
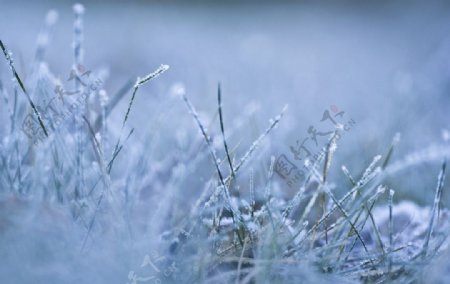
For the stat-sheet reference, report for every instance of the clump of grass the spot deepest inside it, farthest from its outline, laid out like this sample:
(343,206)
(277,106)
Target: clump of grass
(225,237)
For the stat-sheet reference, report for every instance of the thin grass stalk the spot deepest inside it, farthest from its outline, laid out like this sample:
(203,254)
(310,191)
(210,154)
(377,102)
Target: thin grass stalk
(219,99)
(255,144)
(8,57)
(78,55)
(391,229)
(437,199)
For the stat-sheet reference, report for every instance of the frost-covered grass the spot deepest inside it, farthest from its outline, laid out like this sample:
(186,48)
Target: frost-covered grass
(83,200)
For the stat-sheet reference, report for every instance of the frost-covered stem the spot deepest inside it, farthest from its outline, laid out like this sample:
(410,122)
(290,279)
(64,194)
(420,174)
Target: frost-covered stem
(370,169)
(17,80)
(19,162)
(394,142)
(219,98)
(255,144)
(252,192)
(139,82)
(14,110)
(437,200)
(391,228)
(16,139)
(104,130)
(331,148)
(43,37)
(380,191)
(104,101)
(348,174)
(294,203)
(78,38)
(78,61)
(267,192)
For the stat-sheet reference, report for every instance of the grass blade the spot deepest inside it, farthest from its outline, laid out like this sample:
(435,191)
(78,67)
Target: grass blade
(219,98)
(19,81)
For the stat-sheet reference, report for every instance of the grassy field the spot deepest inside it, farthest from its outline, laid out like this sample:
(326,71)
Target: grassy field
(303,143)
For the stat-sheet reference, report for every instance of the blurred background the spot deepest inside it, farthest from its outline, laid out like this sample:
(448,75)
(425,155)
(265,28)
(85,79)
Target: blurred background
(385,63)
